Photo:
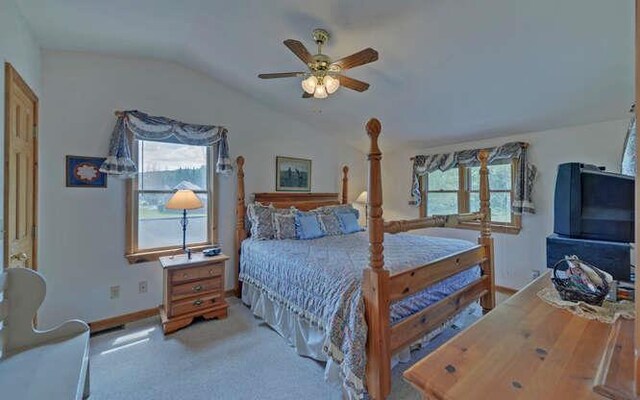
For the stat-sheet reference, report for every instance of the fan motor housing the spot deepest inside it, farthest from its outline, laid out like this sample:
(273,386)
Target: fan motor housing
(320,62)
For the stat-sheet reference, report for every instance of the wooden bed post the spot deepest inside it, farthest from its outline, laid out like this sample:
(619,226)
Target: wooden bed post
(241,233)
(376,280)
(345,184)
(488,301)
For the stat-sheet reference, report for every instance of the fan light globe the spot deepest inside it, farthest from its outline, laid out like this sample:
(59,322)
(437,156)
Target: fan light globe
(321,92)
(332,84)
(309,84)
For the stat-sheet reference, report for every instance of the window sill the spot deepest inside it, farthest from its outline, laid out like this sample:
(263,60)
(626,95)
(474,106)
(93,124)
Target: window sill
(154,255)
(495,227)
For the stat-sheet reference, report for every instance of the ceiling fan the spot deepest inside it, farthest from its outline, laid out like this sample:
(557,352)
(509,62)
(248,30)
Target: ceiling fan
(325,76)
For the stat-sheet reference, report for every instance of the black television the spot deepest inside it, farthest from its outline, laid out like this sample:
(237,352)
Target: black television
(591,203)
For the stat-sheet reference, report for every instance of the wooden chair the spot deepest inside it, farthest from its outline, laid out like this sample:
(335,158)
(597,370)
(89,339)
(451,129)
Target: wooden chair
(35,364)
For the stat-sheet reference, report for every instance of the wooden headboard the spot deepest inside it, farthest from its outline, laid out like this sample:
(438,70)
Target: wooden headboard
(302,201)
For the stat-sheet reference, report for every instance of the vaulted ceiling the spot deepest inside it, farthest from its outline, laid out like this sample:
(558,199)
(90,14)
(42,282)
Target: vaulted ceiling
(449,70)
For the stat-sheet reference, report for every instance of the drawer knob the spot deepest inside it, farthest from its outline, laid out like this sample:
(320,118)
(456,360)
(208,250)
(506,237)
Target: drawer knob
(197,302)
(184,275)
(211,272)
(197,288)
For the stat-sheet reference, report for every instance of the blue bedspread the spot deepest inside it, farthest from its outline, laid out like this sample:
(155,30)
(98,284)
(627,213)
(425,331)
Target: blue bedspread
(321,280)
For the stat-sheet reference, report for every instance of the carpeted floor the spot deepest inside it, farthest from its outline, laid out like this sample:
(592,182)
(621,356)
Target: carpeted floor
(236,358)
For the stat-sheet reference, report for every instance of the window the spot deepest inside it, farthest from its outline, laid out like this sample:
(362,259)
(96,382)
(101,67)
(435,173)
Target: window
(442,190)
(456,191)
(153,230)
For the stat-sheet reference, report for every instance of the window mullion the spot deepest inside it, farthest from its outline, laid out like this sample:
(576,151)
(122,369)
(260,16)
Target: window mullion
(463,190)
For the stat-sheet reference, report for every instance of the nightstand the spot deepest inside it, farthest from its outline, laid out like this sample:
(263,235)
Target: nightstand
(192,288)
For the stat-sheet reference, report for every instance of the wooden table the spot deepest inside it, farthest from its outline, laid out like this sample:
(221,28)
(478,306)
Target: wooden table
(527,349)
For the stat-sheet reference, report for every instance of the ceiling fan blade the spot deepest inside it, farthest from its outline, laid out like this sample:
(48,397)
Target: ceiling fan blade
(306,95)
(353,84)
(280,75)
(362,57)
(299,50)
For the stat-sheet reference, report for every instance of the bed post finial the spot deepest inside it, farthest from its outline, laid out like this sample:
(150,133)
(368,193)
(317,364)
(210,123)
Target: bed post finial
(241,234)
(488,301)
(375,223)
(345,184)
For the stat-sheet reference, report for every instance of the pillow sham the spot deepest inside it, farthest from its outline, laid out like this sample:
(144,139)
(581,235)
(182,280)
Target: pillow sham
(348,222)
(285,226)
(261,220)
(330,224)
(338,209)
(308,226)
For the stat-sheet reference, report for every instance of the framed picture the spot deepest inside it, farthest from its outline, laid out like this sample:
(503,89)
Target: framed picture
(293,174)
(85,172)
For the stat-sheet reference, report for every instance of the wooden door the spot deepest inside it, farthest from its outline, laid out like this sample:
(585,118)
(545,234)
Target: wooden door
(20,175)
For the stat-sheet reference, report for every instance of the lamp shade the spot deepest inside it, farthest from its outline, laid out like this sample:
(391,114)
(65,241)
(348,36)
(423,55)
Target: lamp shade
(363,198)
(321,92)
(331,84)
(183,199)
(309,84)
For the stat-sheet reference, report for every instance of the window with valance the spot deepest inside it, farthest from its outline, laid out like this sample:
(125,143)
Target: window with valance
(160,156)
(448,183)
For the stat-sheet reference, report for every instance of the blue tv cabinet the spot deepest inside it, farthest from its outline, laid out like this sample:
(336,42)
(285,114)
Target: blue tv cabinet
(613,257)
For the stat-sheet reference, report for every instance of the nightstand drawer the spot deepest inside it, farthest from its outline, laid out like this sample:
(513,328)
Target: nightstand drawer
(191,289)
(190,274)
(196,303)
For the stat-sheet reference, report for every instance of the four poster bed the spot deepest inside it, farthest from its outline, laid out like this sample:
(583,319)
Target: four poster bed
(333,298)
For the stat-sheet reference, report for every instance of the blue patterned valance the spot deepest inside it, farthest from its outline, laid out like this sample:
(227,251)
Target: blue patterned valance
(525,173)
(138,125)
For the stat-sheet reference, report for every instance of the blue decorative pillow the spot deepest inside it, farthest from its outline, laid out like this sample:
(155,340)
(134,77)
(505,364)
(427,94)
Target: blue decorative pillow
(348,222)
(308,226)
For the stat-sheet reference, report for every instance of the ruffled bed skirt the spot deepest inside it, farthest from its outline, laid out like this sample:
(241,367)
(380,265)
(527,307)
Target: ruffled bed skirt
(308,338)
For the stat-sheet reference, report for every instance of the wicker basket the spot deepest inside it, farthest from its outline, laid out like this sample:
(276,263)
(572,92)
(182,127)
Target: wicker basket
(569,291)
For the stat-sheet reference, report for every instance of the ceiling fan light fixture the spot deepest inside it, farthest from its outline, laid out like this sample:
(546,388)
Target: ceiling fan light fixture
(309,85)
(321,92)
(331,84)
(323,75)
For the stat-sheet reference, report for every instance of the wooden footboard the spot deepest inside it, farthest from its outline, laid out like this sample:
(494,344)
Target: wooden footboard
(380,288)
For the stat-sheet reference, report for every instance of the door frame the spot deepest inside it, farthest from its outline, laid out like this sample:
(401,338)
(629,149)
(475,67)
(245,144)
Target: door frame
(11,76)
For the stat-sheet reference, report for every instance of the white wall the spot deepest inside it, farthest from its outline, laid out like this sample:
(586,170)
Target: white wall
(18,47)
(82,230)
(516,255)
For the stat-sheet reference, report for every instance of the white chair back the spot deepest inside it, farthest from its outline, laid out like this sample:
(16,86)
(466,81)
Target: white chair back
(23,293)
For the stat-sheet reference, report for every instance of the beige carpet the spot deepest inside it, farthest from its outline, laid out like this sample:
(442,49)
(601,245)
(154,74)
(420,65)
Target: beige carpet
(236,358)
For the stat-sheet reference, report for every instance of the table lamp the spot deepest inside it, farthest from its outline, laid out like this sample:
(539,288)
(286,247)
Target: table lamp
(363,199)
(184,199)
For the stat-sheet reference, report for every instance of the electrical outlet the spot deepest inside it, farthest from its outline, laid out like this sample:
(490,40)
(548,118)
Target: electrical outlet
(535,273)
(142,287)
(115,292)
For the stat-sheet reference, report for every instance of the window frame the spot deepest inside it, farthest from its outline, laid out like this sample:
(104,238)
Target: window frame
(136,255)
(464,192)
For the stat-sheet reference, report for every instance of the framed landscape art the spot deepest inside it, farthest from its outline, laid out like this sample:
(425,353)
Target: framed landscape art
(85,172)
(293,174)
